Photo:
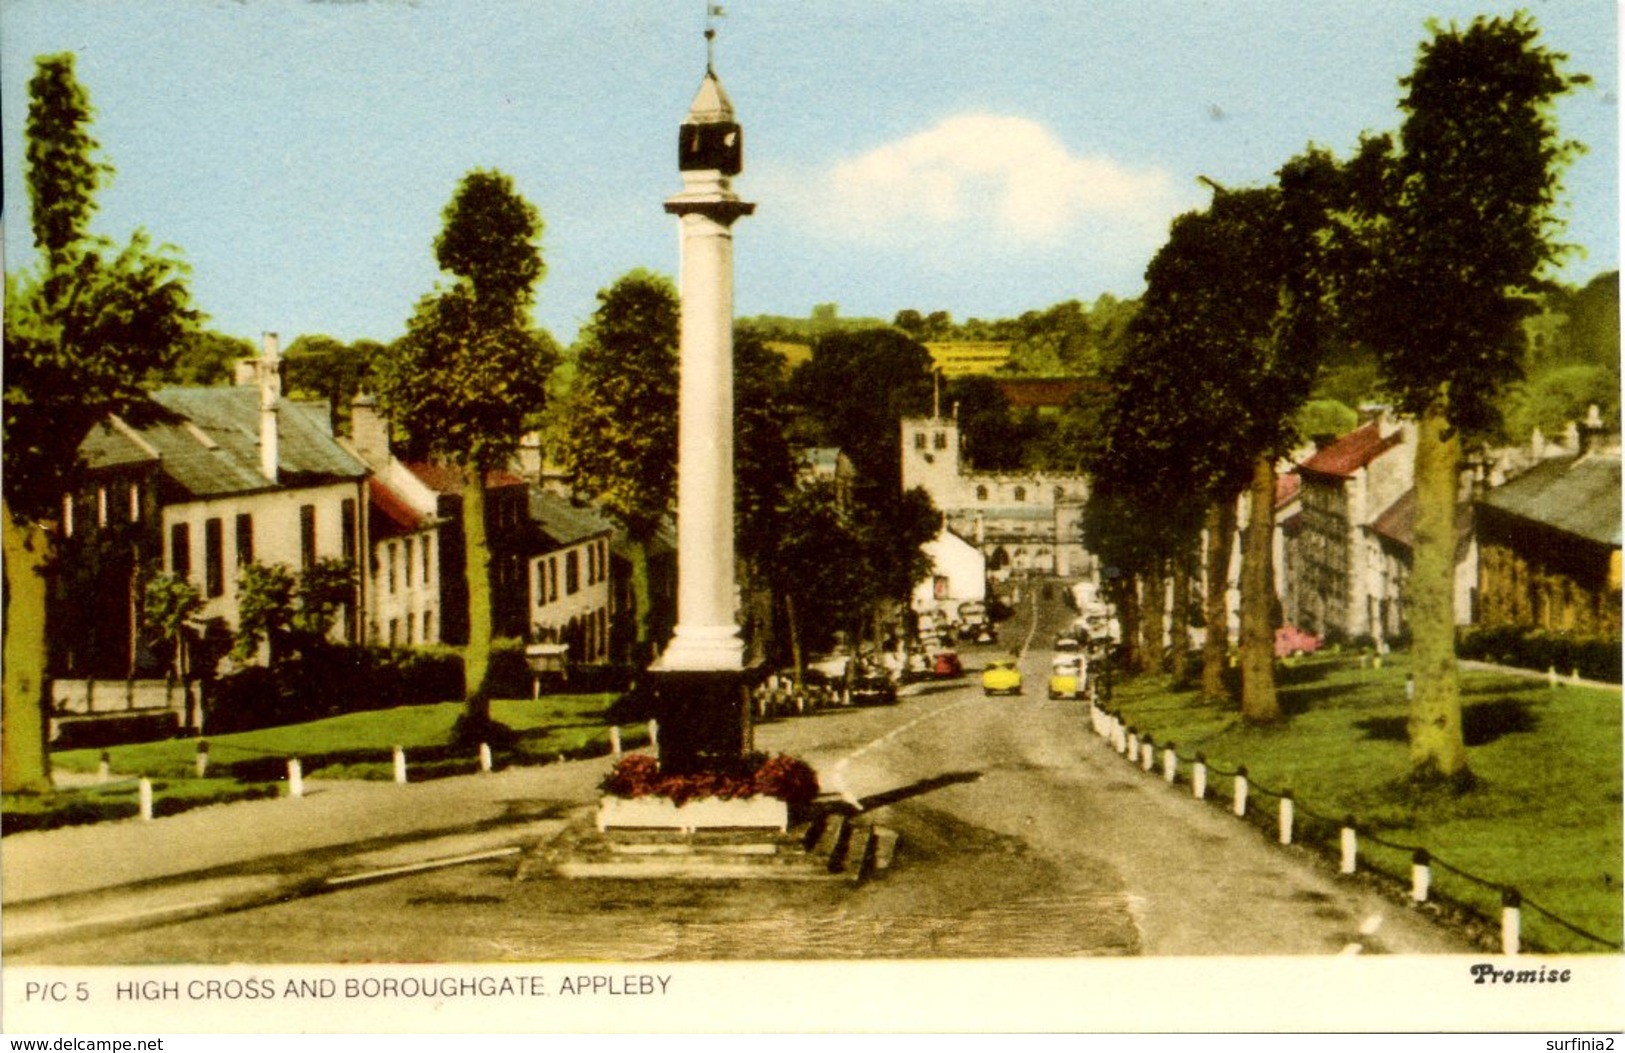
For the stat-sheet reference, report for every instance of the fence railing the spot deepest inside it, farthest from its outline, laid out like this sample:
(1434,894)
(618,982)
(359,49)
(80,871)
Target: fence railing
(1293,820)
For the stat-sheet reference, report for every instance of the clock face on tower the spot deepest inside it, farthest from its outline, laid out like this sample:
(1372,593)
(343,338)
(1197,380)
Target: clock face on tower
(718,145)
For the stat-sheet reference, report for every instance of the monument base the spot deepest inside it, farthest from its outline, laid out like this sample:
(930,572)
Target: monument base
(705,718)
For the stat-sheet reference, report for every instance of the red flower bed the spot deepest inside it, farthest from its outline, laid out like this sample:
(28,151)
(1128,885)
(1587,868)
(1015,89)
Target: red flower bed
(782,777)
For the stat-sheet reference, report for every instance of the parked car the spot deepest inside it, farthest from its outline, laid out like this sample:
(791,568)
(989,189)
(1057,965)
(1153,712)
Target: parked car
(945,665)
(1068,677)
(872,687)
(1001,677)
(1291,640)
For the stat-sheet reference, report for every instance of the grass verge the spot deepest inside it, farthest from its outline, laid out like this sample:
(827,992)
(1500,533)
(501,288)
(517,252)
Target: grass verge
(352,746)
(1543,815)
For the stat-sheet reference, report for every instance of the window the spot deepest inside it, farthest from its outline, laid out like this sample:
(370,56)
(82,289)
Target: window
(940,440)
(427,540)
(410,626)
(406,564)
(1021,493)
(101,506)
(245,540)
(180,550)
(919,440)
(552,578)
(572,573)
(389,557)
(214,557)
(603,560)
(67,515)
(394,630)
(428,623)
(981,493)
(347,521)
(135,502)
(307,536)
(541,583)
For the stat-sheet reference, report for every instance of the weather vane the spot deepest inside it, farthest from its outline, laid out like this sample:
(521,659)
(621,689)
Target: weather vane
(712,12)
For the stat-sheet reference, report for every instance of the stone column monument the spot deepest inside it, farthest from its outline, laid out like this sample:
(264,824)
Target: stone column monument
(700,683)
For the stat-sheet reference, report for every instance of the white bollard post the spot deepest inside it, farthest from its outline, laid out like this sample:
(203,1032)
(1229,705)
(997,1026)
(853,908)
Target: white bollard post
(1574,677)
(615,740)
(144,795)
(485,757)
(1239,804)
(1170,764)
(1286,818)
(1350,847)
(202,758)
(1551,676)
(296,778)
(1511,918)
(1199,778)
(104,770)
(654,732)
(1420,875)
(1148,755)
(1133,747)
(400,765)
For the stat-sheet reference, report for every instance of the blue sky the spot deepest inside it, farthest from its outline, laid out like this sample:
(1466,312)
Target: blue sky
(983,158)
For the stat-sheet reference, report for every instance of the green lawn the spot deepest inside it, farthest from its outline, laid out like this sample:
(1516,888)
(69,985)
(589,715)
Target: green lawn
(1544,816)
(352,746)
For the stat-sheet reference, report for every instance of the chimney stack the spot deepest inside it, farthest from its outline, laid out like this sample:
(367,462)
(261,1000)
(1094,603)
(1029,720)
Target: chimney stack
(270,380)
(369,431)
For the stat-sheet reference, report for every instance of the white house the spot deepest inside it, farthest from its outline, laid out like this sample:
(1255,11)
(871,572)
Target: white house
(958,575)
(201,484)
(570,587)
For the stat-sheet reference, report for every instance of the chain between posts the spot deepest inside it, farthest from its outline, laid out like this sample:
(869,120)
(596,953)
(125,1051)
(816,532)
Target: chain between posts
(1147,742)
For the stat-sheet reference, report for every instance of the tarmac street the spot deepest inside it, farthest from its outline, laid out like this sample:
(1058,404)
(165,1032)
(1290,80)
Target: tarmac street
(1020,834)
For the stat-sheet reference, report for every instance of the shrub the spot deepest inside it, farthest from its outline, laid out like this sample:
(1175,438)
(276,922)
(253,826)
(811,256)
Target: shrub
(1593,658)
(782,777)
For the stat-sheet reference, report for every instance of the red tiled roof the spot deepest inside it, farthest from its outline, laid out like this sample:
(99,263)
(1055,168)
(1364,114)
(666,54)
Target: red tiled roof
(1026,392)
(1352,452)
(448,478)
(392,514)
(1398,522)
(1286,488)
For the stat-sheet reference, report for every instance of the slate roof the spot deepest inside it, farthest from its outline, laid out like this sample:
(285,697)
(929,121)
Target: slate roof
(1352,452)
(565,523)
(1397,523)
(1578,496)
(206,440)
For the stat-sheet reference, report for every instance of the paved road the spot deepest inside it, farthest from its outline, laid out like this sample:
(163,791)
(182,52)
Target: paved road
(1022,835)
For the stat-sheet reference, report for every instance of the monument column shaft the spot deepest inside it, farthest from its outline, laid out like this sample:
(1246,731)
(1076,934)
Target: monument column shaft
(707,634)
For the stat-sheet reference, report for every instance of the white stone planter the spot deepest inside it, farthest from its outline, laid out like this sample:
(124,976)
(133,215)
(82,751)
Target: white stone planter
(661,813)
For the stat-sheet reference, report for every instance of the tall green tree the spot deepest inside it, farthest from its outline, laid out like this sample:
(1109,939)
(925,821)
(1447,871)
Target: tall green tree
(82,329)
(617,435)
(764,478)
(1449,226)
(471,374)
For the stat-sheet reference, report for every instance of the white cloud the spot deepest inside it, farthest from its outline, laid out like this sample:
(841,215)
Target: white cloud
(994,181)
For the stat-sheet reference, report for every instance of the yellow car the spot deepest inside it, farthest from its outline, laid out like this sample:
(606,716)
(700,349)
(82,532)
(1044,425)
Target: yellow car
(1001,677)
(1067,677)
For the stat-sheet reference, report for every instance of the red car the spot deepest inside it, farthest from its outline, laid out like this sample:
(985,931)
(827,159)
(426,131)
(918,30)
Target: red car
(945,665)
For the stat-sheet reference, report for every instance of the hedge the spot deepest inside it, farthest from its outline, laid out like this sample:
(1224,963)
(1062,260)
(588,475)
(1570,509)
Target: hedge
(1593,658)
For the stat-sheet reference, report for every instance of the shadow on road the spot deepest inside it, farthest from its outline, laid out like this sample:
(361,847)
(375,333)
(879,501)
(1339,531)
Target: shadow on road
(903,793)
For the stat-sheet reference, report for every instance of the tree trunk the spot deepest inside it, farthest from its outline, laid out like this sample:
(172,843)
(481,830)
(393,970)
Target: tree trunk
(25,762)
(1221,535)
(1259,704)
(642,645)
(477,576)
(1437,747)
(1179,622)
(1153,601)
(794,627)
(1128,621)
